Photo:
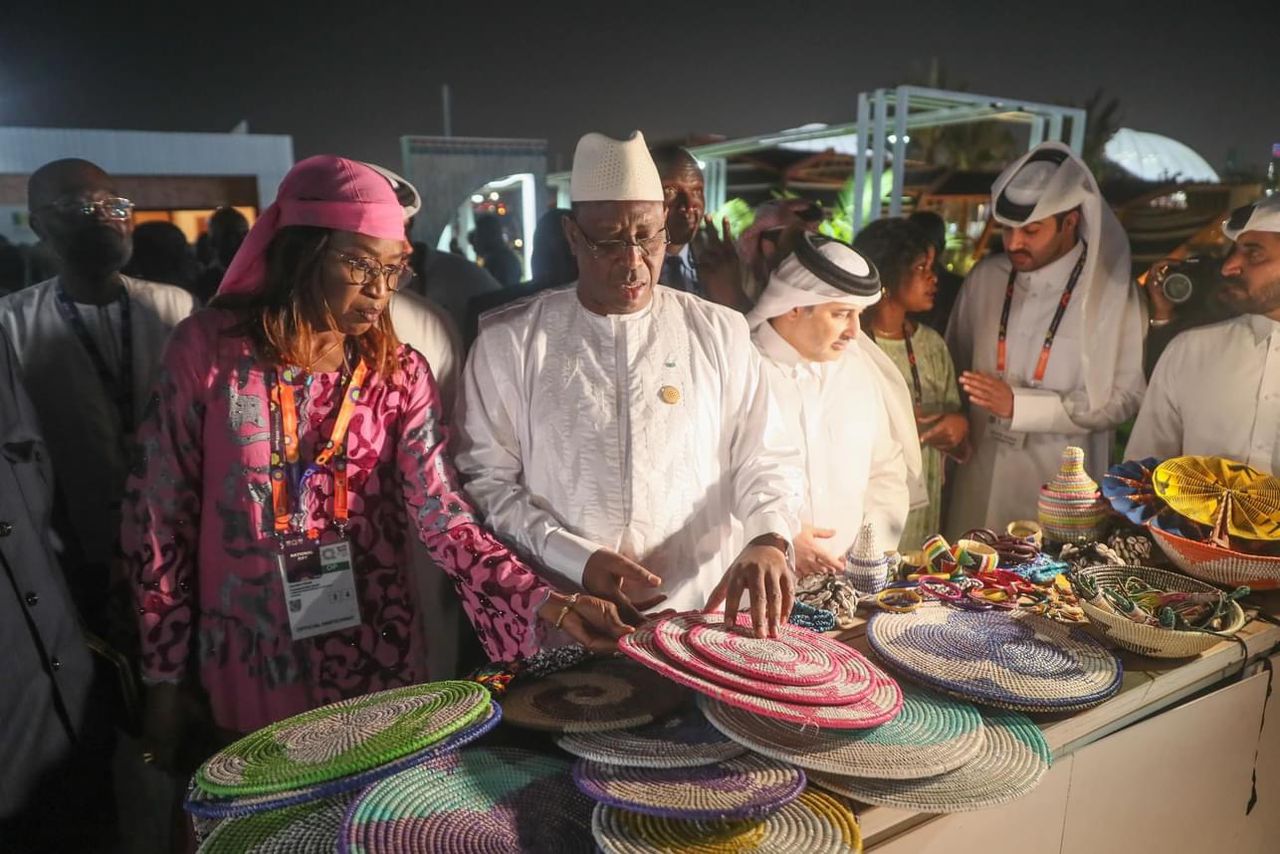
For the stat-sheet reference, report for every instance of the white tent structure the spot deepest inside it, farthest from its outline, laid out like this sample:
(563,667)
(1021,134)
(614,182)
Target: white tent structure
(1155,158)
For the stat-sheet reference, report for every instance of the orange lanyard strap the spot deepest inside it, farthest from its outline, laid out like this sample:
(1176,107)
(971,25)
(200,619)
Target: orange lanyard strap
(1042,364)
(285,475)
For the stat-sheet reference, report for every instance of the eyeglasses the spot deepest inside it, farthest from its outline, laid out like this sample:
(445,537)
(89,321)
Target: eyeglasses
(366,271)
(648,246)
(112,207)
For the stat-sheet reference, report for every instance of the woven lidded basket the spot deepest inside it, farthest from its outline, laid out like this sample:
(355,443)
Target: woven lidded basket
(1154,641)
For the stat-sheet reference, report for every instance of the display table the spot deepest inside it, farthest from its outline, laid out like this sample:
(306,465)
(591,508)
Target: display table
(1193,760)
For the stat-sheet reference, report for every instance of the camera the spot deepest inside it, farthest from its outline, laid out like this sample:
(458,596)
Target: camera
(1181,280)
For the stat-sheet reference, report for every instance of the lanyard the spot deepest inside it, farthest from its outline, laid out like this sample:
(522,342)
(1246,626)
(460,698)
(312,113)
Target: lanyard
(286,474)
(917,389)
(118,387)
(1043,363)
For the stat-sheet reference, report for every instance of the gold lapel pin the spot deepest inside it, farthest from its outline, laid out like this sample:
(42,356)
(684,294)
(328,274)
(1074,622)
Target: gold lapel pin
(669,394)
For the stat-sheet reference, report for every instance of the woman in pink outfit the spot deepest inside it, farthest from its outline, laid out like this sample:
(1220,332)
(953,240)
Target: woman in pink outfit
(292,447)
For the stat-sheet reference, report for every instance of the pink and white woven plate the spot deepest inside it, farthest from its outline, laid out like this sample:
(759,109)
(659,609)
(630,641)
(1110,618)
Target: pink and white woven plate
(853,683)
(881,705)
(795,657)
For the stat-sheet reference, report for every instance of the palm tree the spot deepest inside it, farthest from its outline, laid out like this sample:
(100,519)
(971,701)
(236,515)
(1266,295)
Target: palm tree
(974,145)
(1102,120)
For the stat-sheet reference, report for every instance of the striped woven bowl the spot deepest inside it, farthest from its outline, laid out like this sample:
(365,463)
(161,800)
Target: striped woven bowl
(1154,641)
(1216,564)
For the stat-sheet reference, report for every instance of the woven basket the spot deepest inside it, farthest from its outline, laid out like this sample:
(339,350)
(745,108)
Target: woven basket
(1154,641)
(814,823)
(1218,565)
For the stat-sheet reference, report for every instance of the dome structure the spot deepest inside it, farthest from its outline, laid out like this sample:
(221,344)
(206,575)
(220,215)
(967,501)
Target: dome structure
(1152,157)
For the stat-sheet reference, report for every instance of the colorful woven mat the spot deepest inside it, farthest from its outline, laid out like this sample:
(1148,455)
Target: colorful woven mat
(599,695)
(881,705)
(852,683)
(1010,764)
(477,800)
(1008,659)
(310,828)
(202,805)
(814,823)
(343,738)
(789,659)
(744,787)
(681,740)
(1231,497)
(932,734)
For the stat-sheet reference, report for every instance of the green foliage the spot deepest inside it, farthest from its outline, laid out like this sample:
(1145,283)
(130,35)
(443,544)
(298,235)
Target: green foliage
(740,215)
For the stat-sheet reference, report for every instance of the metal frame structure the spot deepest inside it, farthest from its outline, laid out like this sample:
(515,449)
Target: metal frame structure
(885,118)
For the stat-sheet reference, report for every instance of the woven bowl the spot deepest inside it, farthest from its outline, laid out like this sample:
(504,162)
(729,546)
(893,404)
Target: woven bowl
(1218,565)
(1154,641)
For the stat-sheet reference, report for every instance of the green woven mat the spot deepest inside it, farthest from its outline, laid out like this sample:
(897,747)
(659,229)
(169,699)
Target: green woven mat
(343,738)
(310,828)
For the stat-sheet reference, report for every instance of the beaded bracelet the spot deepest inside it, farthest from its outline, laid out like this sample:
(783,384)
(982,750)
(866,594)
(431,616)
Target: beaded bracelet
(938,588)
(899,600)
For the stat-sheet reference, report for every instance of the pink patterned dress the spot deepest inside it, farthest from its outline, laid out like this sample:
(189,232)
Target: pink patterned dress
(200,552)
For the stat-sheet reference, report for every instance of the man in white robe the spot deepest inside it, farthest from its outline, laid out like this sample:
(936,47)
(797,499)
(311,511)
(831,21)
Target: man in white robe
(1216,389)
(830,384)
(614,429)
(71,345)
(1056,376)
(428,328)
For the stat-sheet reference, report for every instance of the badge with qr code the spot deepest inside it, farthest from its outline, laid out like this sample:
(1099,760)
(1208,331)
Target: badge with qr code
(319,586)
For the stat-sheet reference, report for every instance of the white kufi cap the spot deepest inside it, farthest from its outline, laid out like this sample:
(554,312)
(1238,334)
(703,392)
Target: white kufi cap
(614,170)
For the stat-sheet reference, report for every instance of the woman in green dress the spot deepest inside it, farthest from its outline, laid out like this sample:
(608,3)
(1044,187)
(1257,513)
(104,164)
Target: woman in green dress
(904,256)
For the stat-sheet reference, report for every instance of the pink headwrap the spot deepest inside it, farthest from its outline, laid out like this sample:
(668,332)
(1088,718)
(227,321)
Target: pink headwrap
(325,191)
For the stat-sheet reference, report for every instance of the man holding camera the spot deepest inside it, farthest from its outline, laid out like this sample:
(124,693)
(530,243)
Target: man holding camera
(1216,389)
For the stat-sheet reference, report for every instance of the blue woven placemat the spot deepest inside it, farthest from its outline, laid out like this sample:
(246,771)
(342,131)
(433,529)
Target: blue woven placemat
(1007,659)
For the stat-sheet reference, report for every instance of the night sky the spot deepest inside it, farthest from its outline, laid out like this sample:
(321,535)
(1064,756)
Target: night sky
(1206,73)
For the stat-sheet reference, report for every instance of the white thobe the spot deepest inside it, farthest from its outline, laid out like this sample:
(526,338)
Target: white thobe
(78,417)
(1001,482)
(427,328)
(855,470)
(643,433)
(1215,392)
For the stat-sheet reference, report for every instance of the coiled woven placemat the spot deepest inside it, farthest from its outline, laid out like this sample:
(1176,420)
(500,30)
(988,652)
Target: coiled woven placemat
(310,828)
(681,740)
(343,738)
(598,695)
(881,705)
(497,800)
(1013,759)
(852,682)
(202,805)
(1007,659)
(814,823)
(747,786)
(932,734)
(795,657)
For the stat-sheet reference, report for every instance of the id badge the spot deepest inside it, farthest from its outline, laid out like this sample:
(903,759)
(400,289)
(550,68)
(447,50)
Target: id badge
(999,432)
(319,585)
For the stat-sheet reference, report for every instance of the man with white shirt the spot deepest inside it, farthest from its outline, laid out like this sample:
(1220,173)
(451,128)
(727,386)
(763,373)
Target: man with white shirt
(842,397)
(88,344)
(615,429)
(1216,389)
(1048,337)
